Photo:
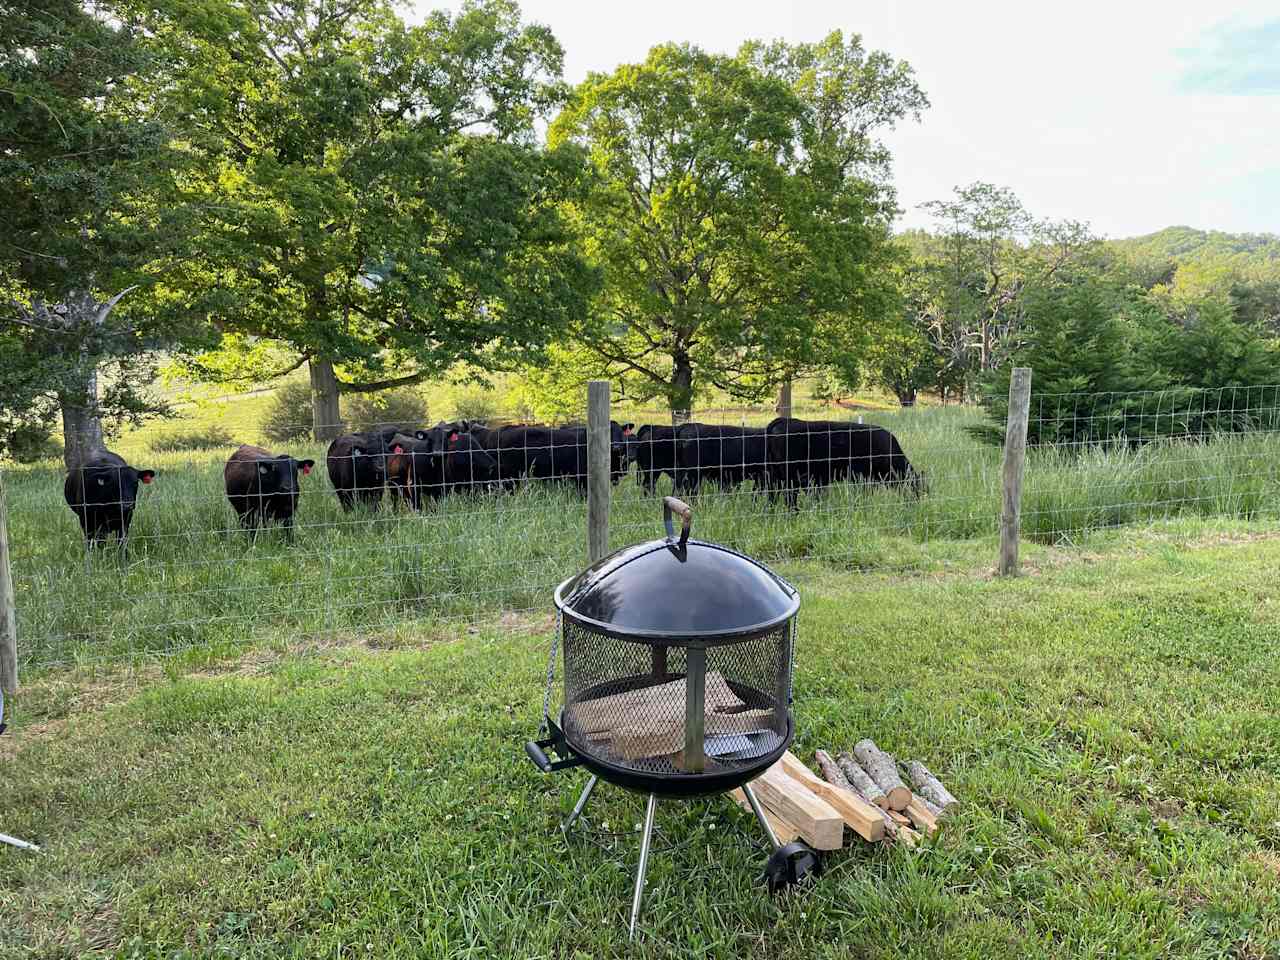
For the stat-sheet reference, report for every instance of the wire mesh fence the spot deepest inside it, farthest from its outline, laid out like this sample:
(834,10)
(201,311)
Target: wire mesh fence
(408,528)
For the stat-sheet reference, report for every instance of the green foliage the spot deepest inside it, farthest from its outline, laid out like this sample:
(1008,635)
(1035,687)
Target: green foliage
(83,166)
(900,359)
(29,442)
(372,192)
(287,418)
(1110,364)
(739,211)
(404,408)
(473,402)
(181,439)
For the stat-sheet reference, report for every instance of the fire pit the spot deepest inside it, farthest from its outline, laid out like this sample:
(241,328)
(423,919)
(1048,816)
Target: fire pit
(677,679)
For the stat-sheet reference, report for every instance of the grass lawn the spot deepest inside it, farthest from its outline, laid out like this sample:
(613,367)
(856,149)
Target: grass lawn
(1109,722)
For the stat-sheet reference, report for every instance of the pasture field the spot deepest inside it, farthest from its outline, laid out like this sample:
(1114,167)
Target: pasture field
(1108,722)
(191,578)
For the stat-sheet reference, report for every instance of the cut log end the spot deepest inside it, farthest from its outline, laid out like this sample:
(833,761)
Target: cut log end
(883,769)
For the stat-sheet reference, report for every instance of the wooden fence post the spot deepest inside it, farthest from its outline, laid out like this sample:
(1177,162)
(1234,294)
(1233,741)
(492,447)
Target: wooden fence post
(8,616)
(599,481)
(1015,451)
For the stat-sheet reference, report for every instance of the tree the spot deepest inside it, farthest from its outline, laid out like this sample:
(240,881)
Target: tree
(375,204)
(79,161)
(739,212)
(974,276)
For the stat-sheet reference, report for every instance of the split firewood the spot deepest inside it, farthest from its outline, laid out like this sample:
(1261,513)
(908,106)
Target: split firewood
(883,769)
(784,831)
(862,818)
(602,714)
(860,780)
(929,805)
(662,735)
(890,826)
(921,815)
(929,786)
(818,822)
(901,819)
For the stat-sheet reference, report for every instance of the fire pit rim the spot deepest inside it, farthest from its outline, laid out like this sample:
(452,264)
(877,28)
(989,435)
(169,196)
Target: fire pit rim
(678,638)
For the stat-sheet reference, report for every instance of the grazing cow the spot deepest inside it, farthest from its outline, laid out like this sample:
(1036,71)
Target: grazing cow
(816,453)
(263,487)
(357,465)
(558,453)
(653,449)
(102,492)
(726,455)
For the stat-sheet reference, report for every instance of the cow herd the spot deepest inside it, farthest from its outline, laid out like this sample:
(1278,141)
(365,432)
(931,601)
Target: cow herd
(420,467)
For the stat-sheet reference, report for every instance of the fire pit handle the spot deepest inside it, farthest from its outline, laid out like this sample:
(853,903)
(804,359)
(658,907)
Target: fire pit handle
(672,505)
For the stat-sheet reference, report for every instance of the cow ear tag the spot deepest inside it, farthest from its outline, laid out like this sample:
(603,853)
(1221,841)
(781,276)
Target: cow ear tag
(306,469)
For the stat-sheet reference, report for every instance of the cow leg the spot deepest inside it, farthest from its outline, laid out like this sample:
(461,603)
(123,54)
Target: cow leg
(347,501)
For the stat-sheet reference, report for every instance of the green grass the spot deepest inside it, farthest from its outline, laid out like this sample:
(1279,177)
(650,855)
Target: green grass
(1109,725)
(192,580)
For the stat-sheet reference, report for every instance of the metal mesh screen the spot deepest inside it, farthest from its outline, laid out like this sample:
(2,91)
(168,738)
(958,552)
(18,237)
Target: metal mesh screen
(630,704)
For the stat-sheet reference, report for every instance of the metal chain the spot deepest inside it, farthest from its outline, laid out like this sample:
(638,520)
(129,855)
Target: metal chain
(551,673)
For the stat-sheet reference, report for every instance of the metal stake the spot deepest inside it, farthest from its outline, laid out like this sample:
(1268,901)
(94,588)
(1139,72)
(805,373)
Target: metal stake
(759,812)
(644,862)
(580,805)
(15,842)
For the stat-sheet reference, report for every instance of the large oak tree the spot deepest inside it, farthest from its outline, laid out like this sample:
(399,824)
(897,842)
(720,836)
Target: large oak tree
(376,204)
(740,212)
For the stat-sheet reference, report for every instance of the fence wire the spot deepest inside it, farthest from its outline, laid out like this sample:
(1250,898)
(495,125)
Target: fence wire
(467,529)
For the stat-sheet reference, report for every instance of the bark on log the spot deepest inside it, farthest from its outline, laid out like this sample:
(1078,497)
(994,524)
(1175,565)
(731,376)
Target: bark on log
(929,786)
(891,829)
(883,769)
(860,781)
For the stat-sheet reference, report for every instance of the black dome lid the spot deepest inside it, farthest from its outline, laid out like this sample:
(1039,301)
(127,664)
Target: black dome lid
(663,590)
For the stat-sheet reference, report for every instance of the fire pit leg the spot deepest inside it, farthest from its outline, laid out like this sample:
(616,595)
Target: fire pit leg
(759,812)
(644,863)
(580,805)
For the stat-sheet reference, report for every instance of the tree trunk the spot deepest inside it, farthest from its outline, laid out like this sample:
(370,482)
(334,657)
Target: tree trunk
(326,418)
(906,396)
(783,406)
(681,388)
(81,424)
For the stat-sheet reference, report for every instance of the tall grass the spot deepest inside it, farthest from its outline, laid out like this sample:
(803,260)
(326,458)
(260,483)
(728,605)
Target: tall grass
(191,577)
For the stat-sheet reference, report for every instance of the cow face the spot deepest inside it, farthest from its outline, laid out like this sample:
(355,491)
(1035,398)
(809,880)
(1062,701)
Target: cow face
(369,463)
(110,484)
(281,474)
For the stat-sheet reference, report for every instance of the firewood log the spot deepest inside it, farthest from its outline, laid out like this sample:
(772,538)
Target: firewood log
(883,769)
(860,781)
(862,817)
(929,786)
(923,818)
(891,829)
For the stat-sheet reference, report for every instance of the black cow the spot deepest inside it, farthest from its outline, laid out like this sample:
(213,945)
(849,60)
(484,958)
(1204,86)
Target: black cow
(726,455)
(102,493)
(357,464)
(438,463)
(263,487)
(816,453)
(653,449)
(557,453)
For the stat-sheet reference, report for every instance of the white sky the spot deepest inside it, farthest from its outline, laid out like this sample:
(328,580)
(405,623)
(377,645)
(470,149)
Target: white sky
(1083,109)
